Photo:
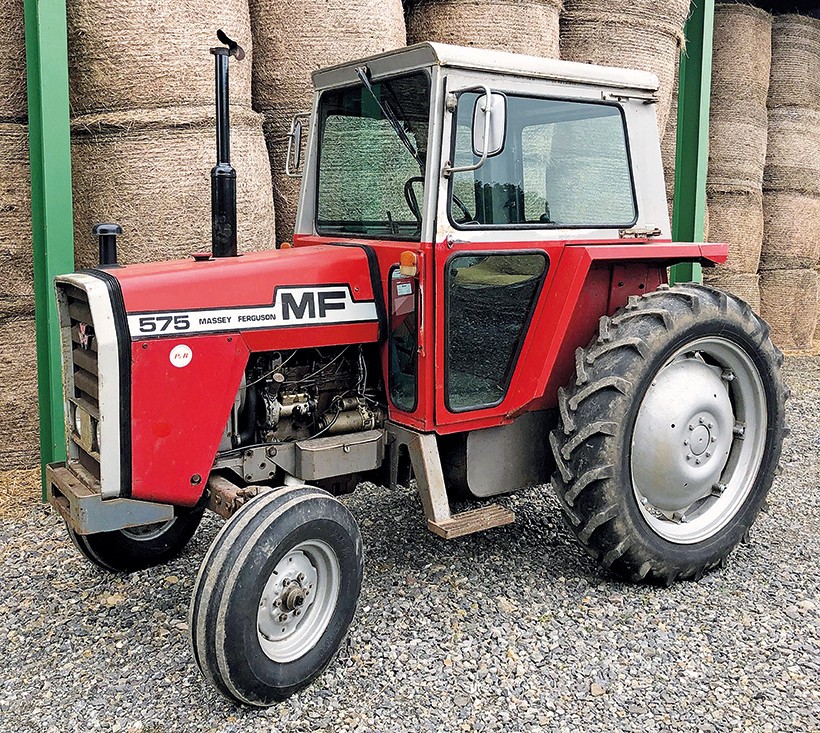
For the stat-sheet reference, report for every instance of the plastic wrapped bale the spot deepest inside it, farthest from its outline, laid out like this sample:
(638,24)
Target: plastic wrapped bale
(636,35)
(745,285)
(150,172)
(736,217)
(291,40)
(786,300)
(15,218)
(795,75)
(134,54)
(517,26)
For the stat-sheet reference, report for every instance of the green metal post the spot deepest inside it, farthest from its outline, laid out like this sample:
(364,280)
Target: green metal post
(51,212)
(692,156)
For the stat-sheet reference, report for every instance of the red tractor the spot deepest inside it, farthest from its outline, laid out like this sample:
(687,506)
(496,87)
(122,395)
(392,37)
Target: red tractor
(476,297)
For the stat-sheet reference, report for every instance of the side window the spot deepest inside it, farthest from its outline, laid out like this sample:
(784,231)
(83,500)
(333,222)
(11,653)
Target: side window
(564,164)
(490,299)
(404,343)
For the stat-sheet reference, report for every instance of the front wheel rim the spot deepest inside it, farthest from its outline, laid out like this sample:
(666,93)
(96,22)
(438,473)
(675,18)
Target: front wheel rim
(699,439)
(298,601)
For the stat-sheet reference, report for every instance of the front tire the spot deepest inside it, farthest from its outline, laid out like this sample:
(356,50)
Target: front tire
(138,548)
(276,594)
(670,437)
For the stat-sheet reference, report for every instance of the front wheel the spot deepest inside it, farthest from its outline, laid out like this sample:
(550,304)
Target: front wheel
(138,548)
(670,437)
(276,594)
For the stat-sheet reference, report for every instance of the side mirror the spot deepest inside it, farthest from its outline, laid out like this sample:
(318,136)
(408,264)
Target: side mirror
(293,160)
(489,129)
(489,124)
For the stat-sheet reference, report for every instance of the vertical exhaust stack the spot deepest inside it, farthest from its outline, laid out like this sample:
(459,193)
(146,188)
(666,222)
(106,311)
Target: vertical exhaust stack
(223,175)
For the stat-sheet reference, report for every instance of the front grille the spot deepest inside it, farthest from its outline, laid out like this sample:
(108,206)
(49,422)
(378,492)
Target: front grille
(82,378)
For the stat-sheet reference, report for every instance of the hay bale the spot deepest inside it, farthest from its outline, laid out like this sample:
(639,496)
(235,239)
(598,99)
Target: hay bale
(740,81)
(19,426)
(637,35)
(744,285)
(736,217)
(669,146)
(741,57)
(17,285)
(517,26)
(149,170)
(784,295)
(791,233)
(19,492)
(793,151)
(795,75)
(140,54)
(291,40)
(13,101)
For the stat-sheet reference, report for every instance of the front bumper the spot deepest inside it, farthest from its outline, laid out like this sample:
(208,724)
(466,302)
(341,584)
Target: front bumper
(86,512)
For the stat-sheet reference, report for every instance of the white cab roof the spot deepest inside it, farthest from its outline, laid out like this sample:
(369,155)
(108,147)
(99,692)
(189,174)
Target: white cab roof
(477,59)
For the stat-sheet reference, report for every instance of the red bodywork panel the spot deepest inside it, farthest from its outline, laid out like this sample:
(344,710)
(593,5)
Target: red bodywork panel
(194,324)
(179,412)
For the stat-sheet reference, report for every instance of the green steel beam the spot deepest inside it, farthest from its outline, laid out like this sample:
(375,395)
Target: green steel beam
(51,213)
(692,154)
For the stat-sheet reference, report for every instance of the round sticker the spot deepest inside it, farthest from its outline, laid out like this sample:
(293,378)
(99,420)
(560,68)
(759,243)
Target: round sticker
(181,356)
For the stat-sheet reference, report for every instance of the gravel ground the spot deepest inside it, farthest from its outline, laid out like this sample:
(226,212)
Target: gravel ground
(513,630)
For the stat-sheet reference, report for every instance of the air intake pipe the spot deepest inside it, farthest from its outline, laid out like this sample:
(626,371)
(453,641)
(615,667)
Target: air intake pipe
(223,175)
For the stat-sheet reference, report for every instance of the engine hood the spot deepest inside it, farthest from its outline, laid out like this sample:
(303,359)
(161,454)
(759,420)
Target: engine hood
(258,291)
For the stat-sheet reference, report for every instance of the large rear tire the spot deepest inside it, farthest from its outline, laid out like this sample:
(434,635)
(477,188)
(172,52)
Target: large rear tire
(276,594)
(670,436)
(138,548)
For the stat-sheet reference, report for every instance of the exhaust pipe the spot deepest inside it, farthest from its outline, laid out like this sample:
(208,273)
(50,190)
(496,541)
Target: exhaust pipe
(223,175)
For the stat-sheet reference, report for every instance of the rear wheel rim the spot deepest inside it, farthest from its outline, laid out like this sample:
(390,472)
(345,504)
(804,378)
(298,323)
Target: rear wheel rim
(298,601)
(696,450)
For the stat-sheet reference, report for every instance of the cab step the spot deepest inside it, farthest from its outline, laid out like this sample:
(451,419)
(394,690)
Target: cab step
(424,456)
(474,520)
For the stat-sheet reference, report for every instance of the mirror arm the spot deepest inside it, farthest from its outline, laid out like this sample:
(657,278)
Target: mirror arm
(448,169)
(294,145)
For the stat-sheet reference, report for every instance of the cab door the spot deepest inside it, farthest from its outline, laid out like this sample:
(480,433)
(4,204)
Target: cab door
(504,219)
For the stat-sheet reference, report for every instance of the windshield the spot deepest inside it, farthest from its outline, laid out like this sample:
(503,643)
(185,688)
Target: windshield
(369,181)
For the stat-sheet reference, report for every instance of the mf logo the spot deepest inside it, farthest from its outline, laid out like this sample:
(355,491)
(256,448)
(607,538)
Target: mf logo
(309,303)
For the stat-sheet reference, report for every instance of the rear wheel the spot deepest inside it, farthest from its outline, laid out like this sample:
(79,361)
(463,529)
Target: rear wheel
(138,548)
(276,594)
(670,437)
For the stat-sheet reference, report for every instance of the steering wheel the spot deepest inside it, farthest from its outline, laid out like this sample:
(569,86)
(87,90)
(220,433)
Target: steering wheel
(411,198)
(468,217)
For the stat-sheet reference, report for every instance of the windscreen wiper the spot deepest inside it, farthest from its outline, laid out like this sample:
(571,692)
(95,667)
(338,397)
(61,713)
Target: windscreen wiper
(390,116)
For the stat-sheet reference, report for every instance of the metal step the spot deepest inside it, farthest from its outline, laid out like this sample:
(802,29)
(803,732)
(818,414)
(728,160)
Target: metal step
(474,520)
(424,456)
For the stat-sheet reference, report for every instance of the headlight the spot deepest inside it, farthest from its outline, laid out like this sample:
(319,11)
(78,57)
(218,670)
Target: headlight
(78,421)
(98,433)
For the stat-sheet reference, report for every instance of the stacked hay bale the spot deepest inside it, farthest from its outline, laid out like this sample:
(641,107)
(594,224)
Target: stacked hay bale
(636,34)
(517,26)
(19,442)
(791,186)
(669,148)
(291,40)
(741,63)
(141,92)
(19,437)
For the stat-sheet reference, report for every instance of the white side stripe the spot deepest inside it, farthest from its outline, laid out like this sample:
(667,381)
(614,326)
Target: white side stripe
(292,306)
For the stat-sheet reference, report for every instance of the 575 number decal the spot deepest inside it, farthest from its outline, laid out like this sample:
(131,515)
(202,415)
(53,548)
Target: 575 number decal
(161,324)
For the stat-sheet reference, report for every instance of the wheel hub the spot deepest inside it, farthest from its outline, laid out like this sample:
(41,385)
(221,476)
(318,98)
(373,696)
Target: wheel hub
(682,436)
(298,601)
(287,596)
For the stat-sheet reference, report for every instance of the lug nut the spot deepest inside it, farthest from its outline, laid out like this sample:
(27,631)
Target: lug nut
(686,442)
(697,460)
(283,617)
